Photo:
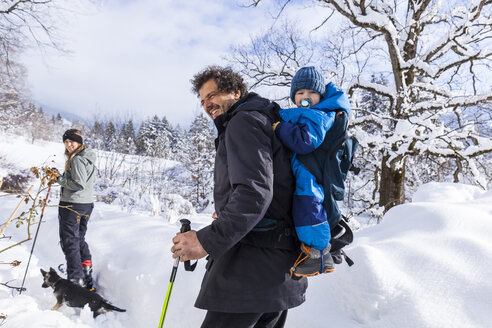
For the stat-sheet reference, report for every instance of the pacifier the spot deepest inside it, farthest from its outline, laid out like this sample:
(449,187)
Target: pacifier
(306,103)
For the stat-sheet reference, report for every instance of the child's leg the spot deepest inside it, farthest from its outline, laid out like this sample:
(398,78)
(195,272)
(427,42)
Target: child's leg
(307,210)
(311,224)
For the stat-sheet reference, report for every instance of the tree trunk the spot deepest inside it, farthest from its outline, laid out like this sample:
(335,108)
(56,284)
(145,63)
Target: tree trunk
(392,187)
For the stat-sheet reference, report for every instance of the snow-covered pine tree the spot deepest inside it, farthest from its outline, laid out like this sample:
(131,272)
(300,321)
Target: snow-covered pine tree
(58,127)
(178,140)
(79,125)
(126,139)
(141,138)
(110,140)
(37,125)
(199,161)
(95,136)
(154,138)
(165,138)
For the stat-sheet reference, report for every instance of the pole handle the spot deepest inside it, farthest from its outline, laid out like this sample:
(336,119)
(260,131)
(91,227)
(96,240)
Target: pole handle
(186,226)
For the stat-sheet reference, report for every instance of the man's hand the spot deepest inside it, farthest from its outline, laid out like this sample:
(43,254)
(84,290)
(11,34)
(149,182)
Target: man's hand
(187,247)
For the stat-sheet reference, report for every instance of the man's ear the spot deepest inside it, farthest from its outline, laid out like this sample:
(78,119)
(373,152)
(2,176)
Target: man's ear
(237,95)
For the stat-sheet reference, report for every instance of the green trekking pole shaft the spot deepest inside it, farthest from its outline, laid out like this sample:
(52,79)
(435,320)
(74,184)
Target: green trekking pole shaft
(169,290)
(185,226)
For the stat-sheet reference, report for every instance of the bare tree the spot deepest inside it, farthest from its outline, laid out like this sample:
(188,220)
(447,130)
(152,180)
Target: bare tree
(270,61)
(23,22)
(436,57)
(13,90)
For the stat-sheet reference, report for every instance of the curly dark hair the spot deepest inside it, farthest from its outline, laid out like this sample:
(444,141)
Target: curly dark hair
(227,80)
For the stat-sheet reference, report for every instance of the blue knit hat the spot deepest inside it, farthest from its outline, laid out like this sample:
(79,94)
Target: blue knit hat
(307,78)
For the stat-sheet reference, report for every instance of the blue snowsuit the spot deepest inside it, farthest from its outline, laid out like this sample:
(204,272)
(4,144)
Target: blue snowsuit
(302,130)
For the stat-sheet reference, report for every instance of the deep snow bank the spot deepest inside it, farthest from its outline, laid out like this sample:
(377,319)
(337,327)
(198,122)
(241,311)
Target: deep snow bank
(428,264)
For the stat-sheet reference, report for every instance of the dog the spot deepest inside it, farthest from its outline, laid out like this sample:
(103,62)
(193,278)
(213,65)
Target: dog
(74,295)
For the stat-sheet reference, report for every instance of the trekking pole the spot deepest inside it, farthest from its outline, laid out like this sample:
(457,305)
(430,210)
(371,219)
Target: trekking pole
(185,226)
(35,237)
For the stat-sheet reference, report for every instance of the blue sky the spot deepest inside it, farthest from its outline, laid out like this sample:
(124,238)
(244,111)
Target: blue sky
(135,58)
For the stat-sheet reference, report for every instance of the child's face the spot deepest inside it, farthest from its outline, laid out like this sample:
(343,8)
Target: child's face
(301,94)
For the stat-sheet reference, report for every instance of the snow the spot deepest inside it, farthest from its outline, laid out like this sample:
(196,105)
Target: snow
(427,264)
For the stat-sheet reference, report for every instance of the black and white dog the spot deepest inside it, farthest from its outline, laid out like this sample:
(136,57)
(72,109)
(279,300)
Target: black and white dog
(71,294)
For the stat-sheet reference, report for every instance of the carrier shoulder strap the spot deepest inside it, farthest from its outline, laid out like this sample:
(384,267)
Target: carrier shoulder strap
(334,139)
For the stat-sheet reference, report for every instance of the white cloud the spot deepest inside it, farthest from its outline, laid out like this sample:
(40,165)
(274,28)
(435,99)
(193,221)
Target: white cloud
(138,57)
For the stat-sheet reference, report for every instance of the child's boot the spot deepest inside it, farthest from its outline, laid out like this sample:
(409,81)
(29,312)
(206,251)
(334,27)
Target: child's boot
(328,263)
(312,262)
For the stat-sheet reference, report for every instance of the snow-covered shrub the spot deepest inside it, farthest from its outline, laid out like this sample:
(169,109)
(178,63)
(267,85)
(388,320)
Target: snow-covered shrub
(175,207)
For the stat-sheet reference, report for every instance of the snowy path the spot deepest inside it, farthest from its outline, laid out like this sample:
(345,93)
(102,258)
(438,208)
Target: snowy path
(428,264)
(131,258)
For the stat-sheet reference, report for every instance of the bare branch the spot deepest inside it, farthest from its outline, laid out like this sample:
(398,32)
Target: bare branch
(374,88)
(19,289)
(465,101)
(461,61)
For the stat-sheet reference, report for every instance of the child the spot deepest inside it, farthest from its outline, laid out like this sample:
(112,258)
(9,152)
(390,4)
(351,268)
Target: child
(302,130)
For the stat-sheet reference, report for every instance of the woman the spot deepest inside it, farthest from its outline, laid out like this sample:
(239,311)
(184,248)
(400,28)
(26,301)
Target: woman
(76,206)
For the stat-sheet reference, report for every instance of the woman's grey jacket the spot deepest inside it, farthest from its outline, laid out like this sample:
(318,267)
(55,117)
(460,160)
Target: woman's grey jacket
(78,181)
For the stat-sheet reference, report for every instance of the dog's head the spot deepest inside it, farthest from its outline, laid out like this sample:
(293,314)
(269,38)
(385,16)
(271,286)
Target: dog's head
(50,278)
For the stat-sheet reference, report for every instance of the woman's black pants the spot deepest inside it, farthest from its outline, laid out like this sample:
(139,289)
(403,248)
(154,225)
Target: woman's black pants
(73,219)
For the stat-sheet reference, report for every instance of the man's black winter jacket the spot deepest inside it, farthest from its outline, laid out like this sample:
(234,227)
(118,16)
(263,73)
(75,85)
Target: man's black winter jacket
(253,180)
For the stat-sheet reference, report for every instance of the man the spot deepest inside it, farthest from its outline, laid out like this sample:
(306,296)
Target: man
(251,244)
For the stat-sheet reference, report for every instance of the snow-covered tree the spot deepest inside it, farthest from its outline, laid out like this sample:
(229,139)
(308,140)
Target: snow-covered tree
(146,139)
(126,139)
(165,138)
(58,128)
(154,138)
(40,125)
(13,90)
(24,23)
(199,161)
(79,125)
(95,136)
(110,140)
(178,140)
(435,56)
